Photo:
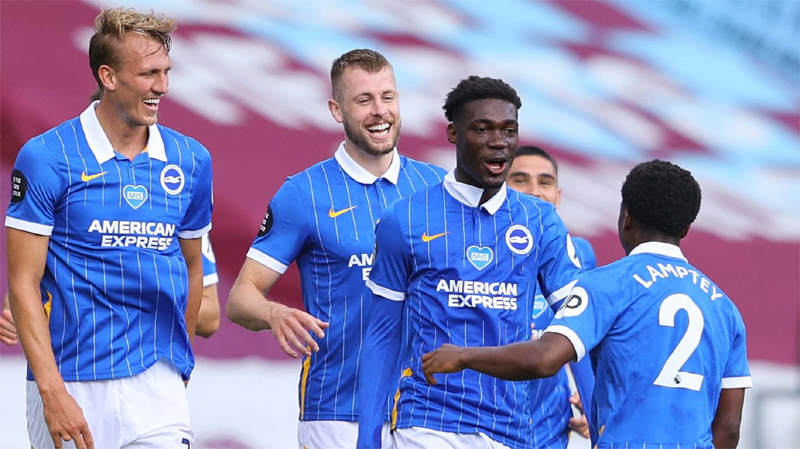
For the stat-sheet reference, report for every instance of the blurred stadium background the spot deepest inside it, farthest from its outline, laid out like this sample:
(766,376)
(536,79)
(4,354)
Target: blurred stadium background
(711,85)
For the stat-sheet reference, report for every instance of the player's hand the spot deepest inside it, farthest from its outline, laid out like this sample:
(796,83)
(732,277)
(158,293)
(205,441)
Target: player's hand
(293,328)
(578,425)
(65,421)
(446,359)
(8,332)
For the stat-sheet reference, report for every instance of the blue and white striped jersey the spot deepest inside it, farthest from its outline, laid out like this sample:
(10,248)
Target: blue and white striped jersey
(666,341)
(550,408)
(210,276)
(324,218)
(115,284)
(465,274)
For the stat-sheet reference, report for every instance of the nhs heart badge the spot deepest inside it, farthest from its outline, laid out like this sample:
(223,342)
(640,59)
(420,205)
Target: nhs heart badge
(134,195)
(479,257)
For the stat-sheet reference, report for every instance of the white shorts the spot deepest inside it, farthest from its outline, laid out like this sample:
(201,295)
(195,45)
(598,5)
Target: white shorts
(334,435)
(146,411)
(421,438)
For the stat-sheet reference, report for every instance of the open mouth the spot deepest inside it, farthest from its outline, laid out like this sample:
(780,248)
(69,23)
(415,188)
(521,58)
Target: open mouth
(496,166)
(380,130)
(151,103)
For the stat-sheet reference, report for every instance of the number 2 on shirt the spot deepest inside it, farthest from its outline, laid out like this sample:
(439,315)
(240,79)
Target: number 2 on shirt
(671,376)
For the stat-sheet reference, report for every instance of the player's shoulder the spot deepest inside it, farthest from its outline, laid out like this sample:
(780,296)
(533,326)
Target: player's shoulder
(180,141)
(528,203)
(425,169)
(317,173)
(59,138)
(612,275)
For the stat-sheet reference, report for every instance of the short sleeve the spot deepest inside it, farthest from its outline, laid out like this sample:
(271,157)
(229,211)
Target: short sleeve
(587,314)
(35,190)
(284,230)
(737,370)
(585,253)
(391,268)
(210,276)
(560,266)
(197,221)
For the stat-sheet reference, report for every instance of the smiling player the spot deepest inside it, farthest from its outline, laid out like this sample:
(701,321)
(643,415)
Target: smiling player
(324,218)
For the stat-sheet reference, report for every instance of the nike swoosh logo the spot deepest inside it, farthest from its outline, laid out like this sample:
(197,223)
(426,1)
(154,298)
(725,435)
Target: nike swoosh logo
(334,214)
(427,238)
(87,178)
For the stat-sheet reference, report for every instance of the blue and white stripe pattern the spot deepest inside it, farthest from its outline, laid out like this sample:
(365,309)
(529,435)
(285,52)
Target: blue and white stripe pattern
(115,282)
(467,276)
(666,340)
(324,218)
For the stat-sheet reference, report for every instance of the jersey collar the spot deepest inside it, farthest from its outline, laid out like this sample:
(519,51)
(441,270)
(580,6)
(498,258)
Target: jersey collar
(360,174)
(101,146)
(471,195)
(660,248)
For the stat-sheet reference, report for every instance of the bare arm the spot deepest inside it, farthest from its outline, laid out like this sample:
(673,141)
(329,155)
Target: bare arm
(62,414)
(191,249)
(248,308)
(520,361)
(208,318)
(725,428)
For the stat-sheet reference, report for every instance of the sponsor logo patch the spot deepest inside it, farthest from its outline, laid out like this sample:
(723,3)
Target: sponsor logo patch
(480,257)
(575,303)
(135,196)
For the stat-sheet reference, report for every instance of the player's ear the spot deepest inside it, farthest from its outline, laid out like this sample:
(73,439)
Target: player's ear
(558,198)
(336,110)
(108,77)
(452,133)
(685,231)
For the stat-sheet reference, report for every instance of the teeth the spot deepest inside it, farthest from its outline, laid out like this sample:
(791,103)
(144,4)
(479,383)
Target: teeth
(151,100)
(381,127)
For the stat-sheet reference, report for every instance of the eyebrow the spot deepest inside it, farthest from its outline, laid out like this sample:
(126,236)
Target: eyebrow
(546,175)
(519,174)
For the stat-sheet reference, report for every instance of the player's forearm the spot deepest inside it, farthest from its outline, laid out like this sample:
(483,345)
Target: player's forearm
(519,361)
(208,317)
(193,302)
(724,436)
(248,308)
(34,335)
(728,418)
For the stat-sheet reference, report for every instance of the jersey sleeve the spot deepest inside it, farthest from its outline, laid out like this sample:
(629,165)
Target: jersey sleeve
(585,253)
(284,230)
(587,314)
(197,221)
(210,276)
(36,187)
(737,370)
(560,266)
(390,269)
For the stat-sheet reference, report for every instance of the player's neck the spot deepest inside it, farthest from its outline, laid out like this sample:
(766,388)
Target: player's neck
(127,140)
(642,237)
(375,165)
